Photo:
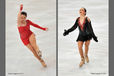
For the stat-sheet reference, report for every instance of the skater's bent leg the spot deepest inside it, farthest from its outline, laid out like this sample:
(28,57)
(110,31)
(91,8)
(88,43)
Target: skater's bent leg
(80,45)
(35,54)
(33,51)
(87,47)
(32,40)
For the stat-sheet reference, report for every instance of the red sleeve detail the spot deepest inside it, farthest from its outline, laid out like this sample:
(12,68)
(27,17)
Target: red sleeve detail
(35,25)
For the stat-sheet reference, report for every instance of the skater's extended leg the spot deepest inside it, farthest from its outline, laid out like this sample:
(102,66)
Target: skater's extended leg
(32,40)
(35,54)
(80,45)
(87,47)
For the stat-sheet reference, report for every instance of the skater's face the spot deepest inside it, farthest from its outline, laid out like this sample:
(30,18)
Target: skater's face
(23,17)
(82,11)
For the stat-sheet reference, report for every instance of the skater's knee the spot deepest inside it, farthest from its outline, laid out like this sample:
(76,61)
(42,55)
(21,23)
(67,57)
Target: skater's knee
(80,47)
(33,44)
(86,44)
(35,54)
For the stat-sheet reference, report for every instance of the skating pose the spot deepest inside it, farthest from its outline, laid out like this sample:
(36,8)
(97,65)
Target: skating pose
(27,36)
(85,34)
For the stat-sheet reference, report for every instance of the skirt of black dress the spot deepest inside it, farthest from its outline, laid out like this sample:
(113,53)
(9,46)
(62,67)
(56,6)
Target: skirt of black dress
(84,38)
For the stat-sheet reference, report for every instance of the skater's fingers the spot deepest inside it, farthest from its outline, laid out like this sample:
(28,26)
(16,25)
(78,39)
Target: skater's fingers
(21,7)
(46,29)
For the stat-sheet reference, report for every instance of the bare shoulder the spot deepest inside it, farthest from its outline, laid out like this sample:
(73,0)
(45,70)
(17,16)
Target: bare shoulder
(77,18)
(88,19)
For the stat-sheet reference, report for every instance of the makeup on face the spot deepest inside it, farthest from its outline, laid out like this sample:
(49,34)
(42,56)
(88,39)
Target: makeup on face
(82,11)
(23,17)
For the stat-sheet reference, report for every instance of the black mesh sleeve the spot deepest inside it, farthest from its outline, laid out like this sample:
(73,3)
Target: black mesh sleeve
(91,31)
(66,32)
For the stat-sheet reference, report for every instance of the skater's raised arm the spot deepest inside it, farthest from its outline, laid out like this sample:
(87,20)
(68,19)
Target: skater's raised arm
(91,30)
(66,32)
(19,14)
(37,26)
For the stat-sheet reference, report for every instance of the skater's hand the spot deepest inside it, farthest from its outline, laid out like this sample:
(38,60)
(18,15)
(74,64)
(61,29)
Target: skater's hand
(65,32)
(46,29)
(95,38)
(21,7)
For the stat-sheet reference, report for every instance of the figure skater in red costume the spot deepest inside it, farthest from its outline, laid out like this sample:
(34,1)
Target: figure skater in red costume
(27,36)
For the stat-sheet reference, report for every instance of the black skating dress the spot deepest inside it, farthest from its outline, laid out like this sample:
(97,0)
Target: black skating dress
(85,30)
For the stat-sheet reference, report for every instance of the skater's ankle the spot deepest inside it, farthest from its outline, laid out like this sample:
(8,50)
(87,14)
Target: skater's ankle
(82,57)
(86,55)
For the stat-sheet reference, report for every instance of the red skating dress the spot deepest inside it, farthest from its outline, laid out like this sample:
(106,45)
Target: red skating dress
(25,31)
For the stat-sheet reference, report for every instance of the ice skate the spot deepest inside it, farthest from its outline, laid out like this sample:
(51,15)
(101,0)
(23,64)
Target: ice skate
(82,62)
(43,63)
(39,53)
(87,58)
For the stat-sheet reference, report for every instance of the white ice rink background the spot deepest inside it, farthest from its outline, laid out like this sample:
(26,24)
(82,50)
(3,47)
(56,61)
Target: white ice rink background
(68,54)
(19,59)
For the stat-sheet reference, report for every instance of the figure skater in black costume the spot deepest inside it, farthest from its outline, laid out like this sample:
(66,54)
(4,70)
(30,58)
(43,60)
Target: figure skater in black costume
(85,34)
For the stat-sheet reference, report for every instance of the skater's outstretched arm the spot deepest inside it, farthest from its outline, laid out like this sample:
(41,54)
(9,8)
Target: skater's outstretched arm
(91,30)
(37,26)
(66,32)
(19,14)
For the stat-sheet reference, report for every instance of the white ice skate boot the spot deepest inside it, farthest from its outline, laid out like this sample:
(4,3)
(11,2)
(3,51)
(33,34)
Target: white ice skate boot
(87,58)
(82,62)
(39,53)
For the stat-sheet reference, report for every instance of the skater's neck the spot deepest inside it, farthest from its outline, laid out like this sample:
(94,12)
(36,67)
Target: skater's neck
(82,16)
